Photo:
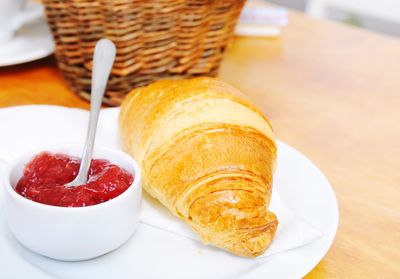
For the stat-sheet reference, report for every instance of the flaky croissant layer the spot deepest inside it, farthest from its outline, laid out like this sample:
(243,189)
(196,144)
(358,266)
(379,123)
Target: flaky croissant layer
(208,155)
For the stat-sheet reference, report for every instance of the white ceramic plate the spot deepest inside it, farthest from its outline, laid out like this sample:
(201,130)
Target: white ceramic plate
(33,41)
(151,252)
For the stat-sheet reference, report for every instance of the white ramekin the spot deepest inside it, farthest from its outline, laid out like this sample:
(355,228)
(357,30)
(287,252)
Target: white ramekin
(73,233)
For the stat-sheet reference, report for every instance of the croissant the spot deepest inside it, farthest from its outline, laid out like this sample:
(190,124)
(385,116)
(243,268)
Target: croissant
(208,155)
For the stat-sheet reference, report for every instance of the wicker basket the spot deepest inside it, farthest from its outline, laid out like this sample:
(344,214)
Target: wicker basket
(155,39)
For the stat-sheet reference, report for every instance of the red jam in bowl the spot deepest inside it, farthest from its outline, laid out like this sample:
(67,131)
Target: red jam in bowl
(46,174)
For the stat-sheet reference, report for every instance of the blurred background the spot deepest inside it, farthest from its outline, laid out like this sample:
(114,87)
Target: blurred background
(152,45)
(381,16)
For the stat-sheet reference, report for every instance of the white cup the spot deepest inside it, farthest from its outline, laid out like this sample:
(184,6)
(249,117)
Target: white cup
(14,14)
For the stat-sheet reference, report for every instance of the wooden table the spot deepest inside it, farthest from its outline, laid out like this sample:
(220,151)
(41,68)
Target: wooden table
(331,91)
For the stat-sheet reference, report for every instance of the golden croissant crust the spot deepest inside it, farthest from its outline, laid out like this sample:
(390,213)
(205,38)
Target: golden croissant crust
(208,155)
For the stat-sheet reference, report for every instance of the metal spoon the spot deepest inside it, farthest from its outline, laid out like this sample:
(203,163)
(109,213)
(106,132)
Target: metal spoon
(103,59)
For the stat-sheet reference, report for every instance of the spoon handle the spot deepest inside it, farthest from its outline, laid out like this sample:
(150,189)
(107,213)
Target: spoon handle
(103,59)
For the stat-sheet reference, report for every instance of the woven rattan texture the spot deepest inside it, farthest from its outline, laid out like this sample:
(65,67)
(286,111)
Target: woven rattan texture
(155,39)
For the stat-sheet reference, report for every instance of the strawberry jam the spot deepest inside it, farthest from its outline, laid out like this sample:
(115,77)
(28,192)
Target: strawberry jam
(44,178)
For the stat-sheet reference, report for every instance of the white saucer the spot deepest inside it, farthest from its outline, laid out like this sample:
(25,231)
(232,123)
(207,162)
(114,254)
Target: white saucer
(152,252)
(33,41)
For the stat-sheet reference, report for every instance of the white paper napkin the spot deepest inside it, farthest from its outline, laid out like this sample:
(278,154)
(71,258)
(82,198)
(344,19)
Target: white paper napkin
(40,125)
(292,232)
